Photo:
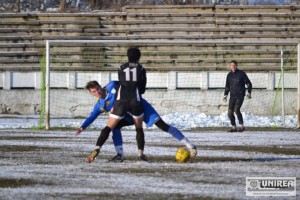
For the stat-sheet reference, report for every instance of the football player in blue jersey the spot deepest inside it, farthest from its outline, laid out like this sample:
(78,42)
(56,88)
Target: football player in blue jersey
(106,100)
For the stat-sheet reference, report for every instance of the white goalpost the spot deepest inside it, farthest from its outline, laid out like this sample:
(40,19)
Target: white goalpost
(184,76)
(298,96)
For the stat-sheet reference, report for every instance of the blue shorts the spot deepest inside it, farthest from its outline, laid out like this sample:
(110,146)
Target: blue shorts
(150,114)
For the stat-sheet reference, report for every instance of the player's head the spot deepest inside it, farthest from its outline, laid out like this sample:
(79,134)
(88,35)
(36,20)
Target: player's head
(133,54)
(233,65)
(95,89)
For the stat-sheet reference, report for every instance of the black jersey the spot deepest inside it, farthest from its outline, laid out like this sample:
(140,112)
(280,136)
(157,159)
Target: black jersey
(235,84)
(132,79)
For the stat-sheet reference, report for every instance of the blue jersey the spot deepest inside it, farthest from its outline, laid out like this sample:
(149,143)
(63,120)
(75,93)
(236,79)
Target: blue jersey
(103,104)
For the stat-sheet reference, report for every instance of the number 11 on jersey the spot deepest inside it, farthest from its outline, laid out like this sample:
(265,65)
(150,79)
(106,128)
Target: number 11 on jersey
(127,74)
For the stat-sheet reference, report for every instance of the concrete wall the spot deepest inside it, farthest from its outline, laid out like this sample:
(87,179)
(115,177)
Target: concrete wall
(74,103)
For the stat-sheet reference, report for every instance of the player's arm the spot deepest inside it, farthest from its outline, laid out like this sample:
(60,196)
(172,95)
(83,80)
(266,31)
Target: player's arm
(94,114)
(248,83)
(227,89)
(142,87)
(227,86)
(120,73)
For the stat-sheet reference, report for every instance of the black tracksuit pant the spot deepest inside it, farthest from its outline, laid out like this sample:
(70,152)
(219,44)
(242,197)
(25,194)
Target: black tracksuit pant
(235,104)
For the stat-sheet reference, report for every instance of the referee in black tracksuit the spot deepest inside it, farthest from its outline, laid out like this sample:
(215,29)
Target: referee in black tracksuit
(235,84)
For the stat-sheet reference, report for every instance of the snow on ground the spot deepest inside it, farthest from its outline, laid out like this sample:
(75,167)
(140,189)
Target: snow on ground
(182,121)
(39,164)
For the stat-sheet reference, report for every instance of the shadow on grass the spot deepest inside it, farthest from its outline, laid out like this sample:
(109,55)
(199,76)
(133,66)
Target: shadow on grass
(261,149)
(5,182)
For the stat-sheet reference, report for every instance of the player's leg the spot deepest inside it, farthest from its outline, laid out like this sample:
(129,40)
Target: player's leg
(231,105)
(117,139)
(140,137)
(137,112)
(100,141)
(178,135)
(114,118)
(237,110)
(118,143)
(152,117)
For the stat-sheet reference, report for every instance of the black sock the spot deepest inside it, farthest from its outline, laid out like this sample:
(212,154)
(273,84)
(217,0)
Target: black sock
(103,136)
(140,138)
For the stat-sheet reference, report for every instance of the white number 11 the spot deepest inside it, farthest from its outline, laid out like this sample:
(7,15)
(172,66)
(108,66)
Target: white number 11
(127,74)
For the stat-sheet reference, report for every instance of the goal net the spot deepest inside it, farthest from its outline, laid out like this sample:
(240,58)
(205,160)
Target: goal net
(185,79)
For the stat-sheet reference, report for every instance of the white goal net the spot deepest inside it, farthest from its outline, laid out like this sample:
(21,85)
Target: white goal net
(185,78)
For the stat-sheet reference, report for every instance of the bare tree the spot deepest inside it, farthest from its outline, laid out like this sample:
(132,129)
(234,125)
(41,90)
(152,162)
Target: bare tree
(18,7)
(62,5)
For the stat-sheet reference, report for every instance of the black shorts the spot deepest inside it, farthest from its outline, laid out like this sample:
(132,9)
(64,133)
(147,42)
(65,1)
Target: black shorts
(122,107)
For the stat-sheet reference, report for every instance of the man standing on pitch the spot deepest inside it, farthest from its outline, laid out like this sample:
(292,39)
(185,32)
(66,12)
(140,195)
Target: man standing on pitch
(235,84)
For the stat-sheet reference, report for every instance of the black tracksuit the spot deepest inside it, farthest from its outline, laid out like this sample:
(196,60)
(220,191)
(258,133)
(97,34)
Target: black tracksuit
(235,84)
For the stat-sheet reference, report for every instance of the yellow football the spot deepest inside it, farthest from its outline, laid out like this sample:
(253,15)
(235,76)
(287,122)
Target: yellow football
(182,155)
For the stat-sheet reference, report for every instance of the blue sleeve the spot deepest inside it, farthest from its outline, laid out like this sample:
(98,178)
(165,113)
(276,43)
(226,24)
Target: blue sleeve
(112,85)
(94,114)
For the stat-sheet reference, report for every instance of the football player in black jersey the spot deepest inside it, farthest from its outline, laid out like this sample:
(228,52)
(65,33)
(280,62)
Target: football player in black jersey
(132,79)
(235,84)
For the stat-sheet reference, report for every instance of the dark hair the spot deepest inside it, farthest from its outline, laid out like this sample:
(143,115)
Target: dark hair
(234,61)
(92,84)
(133,54)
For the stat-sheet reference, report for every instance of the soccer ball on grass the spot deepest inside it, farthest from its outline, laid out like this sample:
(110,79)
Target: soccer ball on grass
(182,155)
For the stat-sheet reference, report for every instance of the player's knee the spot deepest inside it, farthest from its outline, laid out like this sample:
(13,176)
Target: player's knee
(230,113)
(237,111)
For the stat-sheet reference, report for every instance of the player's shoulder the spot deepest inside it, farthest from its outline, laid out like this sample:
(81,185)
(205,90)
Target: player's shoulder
(112,84)
(98,104)
(241,72)
(124,65)
(141,66)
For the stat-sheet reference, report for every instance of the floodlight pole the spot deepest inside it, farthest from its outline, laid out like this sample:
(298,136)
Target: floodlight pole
(298,93)
(47,98)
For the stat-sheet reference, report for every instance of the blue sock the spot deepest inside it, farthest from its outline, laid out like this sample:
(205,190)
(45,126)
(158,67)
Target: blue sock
(175,133)
(117,137)
(118,142)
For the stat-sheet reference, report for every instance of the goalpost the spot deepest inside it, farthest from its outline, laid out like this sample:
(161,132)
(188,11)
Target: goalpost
(184,76)
(298,96)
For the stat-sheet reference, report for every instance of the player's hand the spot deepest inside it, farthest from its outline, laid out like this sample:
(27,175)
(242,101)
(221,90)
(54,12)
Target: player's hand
(248,96)
(79,131)
(225,98)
